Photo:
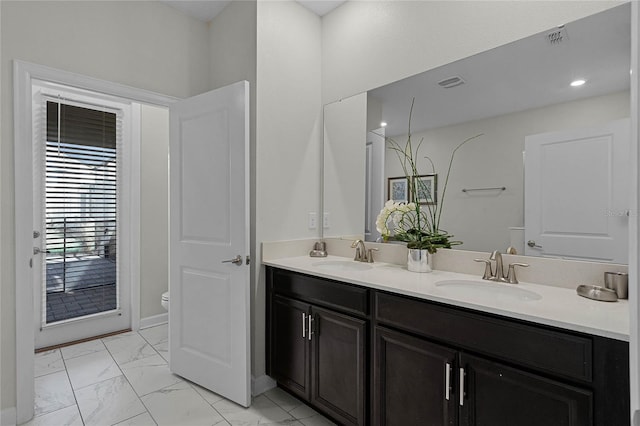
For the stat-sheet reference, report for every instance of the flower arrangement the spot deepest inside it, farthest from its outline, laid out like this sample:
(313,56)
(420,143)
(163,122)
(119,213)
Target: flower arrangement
(416,224)
(411,223)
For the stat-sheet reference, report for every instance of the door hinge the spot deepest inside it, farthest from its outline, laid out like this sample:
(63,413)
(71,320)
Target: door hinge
(248,260)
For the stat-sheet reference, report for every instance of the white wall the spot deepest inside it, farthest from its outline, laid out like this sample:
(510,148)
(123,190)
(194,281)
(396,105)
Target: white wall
(481,219)
(154,213)
(141,44)
(288,130)
(345,137)
(367,44)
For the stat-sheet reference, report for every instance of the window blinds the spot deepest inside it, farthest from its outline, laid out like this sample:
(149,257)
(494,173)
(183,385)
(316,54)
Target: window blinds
(81,156)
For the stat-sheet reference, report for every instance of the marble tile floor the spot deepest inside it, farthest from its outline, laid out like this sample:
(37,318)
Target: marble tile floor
(125,380)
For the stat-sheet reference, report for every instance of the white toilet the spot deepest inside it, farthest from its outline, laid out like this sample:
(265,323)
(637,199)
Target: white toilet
(165,301)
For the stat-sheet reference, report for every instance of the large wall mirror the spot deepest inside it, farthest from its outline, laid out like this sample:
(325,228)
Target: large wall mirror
(550,174)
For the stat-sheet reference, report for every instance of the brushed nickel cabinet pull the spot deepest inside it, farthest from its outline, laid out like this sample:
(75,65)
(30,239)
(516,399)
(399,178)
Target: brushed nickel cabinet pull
(304,325)
(462,373)
(447,381)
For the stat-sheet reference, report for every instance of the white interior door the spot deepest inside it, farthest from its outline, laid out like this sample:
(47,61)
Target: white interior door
(209,226)
(576,193)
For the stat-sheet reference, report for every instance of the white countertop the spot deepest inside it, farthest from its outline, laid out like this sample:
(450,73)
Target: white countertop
(558,307)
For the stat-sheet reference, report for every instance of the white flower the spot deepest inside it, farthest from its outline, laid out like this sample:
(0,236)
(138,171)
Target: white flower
(392,218)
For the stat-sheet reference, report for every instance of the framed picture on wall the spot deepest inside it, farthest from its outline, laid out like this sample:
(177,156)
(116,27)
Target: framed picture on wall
(398,189)
(426,189)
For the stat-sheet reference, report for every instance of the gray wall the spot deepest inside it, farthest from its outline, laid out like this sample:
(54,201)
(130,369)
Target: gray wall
(154,213)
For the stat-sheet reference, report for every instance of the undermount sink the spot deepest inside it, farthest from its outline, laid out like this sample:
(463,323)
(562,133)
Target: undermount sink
(341,265)
(486,290)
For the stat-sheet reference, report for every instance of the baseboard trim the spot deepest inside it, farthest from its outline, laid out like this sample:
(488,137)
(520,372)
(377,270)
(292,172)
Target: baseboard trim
(154,320)
(261,384)
(8,417)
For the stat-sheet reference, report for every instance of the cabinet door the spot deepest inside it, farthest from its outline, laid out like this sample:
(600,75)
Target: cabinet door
(496,395)
(413,381)
(338,365)
(289,344)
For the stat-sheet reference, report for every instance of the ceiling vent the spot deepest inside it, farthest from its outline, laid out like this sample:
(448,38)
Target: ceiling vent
(450,82)
(557,36)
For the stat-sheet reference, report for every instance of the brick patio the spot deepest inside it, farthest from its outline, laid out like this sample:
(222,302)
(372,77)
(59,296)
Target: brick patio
(88,287)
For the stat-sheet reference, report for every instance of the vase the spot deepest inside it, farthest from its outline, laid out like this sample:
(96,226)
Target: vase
(419,260)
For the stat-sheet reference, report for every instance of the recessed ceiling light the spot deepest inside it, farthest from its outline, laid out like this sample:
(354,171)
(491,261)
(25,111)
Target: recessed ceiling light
(576,83)
(383,123)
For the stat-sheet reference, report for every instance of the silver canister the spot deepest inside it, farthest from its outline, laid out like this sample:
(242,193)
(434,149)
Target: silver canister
(619,282)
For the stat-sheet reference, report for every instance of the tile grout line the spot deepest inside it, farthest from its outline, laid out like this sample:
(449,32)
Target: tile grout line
(74,395)
(193,386)
(275,402)
(73,391)
(129,383)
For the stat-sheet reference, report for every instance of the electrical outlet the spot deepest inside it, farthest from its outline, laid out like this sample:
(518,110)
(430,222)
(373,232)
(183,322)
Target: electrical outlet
(313,220)
(326,220)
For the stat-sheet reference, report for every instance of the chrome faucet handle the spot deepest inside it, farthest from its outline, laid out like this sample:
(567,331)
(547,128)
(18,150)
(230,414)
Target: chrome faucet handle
(488,273)
(370,254)
(511,274)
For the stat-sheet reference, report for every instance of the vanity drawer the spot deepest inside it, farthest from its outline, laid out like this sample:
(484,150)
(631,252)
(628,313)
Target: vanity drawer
(320,291)
(537,347)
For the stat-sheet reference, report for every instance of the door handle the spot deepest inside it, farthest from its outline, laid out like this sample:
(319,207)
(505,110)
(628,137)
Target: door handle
(38,250)
(310,332)
(236,260)
(533,244)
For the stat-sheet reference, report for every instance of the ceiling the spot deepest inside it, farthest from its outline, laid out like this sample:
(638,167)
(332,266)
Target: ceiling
(206,10)
(525,74)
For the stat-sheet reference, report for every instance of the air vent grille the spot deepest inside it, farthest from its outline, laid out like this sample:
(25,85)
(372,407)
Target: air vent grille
(557,36)
(450,82)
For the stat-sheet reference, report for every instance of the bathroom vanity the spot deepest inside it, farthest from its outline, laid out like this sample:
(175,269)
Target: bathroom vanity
(364,349)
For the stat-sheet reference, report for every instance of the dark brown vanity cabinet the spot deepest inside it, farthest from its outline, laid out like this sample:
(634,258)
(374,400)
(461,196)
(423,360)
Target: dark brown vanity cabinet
(318,351)
(290,367)
(498,395)
(434,364)
(413,381)
(419,382)
(505,372)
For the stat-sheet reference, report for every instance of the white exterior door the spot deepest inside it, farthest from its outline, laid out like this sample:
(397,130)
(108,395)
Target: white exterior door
(577,193)
(80,289)
(209,335)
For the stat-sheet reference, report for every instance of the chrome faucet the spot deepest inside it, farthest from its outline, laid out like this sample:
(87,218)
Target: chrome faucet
(362,254)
